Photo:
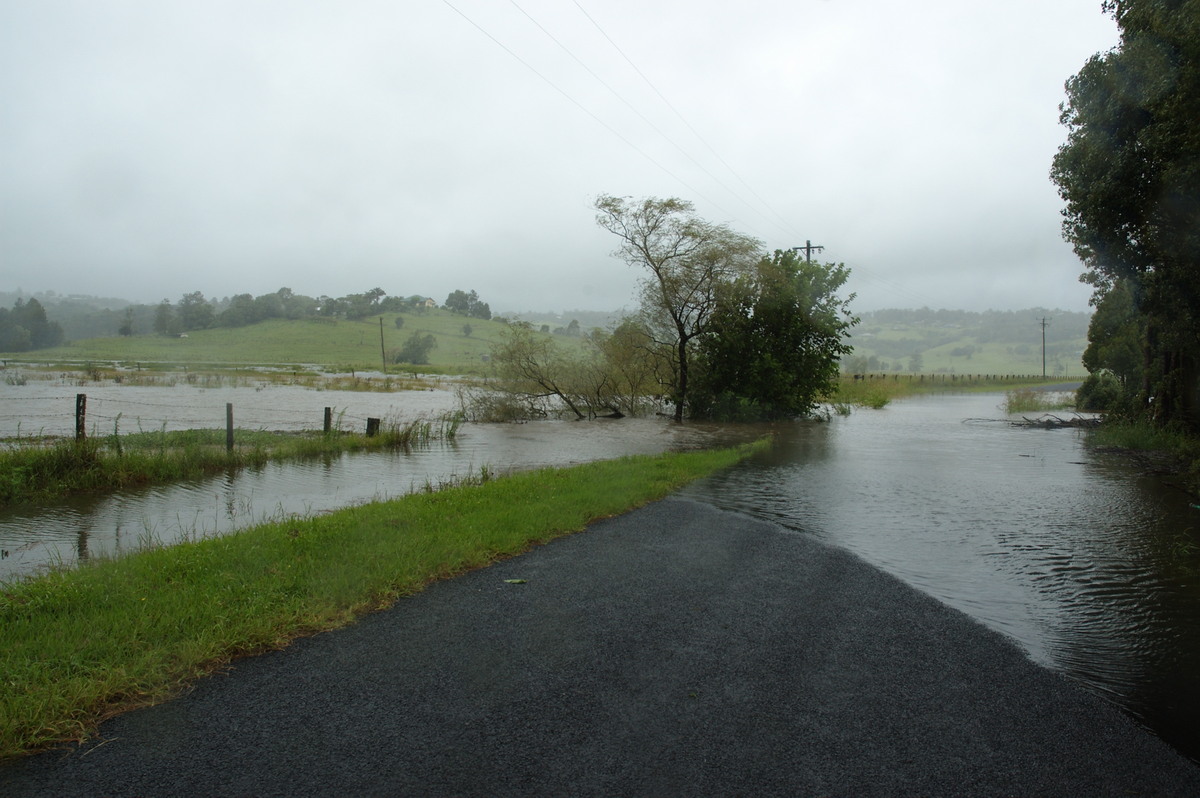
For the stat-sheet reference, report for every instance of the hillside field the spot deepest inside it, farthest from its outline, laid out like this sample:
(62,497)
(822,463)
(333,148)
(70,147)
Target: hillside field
(959,342)
(337,344)
(889,341)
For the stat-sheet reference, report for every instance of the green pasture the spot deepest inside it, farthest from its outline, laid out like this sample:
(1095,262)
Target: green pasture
(337,344)
(946,352)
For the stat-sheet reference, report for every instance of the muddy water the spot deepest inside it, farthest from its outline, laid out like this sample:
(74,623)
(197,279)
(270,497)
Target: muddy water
(48,408)
(80,528)
(1089,565)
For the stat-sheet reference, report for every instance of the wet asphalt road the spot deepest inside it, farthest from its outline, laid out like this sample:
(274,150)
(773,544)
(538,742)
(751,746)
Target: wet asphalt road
(676,650)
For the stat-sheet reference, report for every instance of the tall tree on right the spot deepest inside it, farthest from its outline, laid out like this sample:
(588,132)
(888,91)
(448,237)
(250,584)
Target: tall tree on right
(1130,175)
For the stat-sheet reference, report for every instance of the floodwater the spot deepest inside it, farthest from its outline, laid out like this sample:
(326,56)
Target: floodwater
(83,527)
(1090,565)
(49,407)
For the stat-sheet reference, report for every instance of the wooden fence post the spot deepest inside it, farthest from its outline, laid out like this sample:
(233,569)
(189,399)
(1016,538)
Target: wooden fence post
(372,427)
(229,427)
(328,420)
(80,416)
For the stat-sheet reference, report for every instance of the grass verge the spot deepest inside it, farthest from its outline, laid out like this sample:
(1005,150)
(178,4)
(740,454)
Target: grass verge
(80,645)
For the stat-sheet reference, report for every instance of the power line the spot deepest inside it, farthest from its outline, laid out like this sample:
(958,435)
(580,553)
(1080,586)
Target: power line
(681,117)
(580,105)
(859,269)
(628,104)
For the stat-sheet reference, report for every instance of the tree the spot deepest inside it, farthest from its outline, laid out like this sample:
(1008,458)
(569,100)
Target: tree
(359,306)
(686,259)
(631,359)
(195,312)
(1129,173)
(467,329)
(165,322)
(1116,339)
(530,365)
(240,312)
(126,328)
(467,304)
(31,328)
(457,302)
(775,341)
(416,349)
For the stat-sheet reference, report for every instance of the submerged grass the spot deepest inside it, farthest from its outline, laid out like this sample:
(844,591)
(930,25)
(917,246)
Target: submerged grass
(876,391)
(1031,400)
(1144,436)
(79,645)
(36,471)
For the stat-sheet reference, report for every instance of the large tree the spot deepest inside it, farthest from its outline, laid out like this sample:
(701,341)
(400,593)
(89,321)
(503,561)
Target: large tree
(686,259)
(1130,175)
(195,312)
(777,337)
(27,327)
(467,304)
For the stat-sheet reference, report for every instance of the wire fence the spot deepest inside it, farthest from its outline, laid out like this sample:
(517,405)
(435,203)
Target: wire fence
(90,415)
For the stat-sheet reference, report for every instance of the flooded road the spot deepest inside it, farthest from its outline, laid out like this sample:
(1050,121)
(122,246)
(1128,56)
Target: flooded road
(1091,566)
(1088,564)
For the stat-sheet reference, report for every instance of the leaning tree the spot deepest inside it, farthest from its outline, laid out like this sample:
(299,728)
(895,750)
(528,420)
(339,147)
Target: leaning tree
(686,259)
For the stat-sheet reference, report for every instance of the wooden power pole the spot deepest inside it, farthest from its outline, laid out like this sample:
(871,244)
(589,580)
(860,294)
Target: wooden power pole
(809,248)
(1044,347)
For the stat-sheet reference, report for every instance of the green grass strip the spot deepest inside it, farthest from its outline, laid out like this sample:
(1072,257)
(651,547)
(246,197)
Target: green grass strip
(79,645)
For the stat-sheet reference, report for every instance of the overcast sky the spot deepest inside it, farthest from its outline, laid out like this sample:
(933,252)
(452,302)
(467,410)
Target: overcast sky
(150,148)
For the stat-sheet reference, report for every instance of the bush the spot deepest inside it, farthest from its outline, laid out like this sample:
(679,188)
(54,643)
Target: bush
(416,349)
(1101,392)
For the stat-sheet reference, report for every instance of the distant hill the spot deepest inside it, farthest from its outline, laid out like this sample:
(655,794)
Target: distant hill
(462,344)
(588,319)
(892,340)
(965,342)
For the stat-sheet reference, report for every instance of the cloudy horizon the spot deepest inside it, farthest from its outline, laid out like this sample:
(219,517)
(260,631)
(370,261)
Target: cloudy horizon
(149,150)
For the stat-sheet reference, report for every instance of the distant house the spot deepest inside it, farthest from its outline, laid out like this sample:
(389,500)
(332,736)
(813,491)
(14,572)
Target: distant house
(430,303)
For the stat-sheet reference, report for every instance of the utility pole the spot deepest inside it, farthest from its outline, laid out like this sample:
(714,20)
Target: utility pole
(1044,347)
(809,249)
(383,352)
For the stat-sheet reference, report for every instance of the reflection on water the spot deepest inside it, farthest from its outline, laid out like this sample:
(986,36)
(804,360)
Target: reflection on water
(82,527)
(1087,564)
(40,408)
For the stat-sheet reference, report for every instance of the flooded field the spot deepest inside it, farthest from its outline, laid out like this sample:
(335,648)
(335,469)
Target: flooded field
(1090,565)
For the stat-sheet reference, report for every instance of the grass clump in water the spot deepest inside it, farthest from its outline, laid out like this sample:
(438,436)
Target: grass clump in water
(79,645)
(35,471)
(1031,400)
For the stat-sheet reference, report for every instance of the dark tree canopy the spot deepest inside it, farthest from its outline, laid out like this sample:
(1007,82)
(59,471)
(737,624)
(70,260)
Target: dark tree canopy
(1130,175)
(467,304)
(26,327)
(776,338)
